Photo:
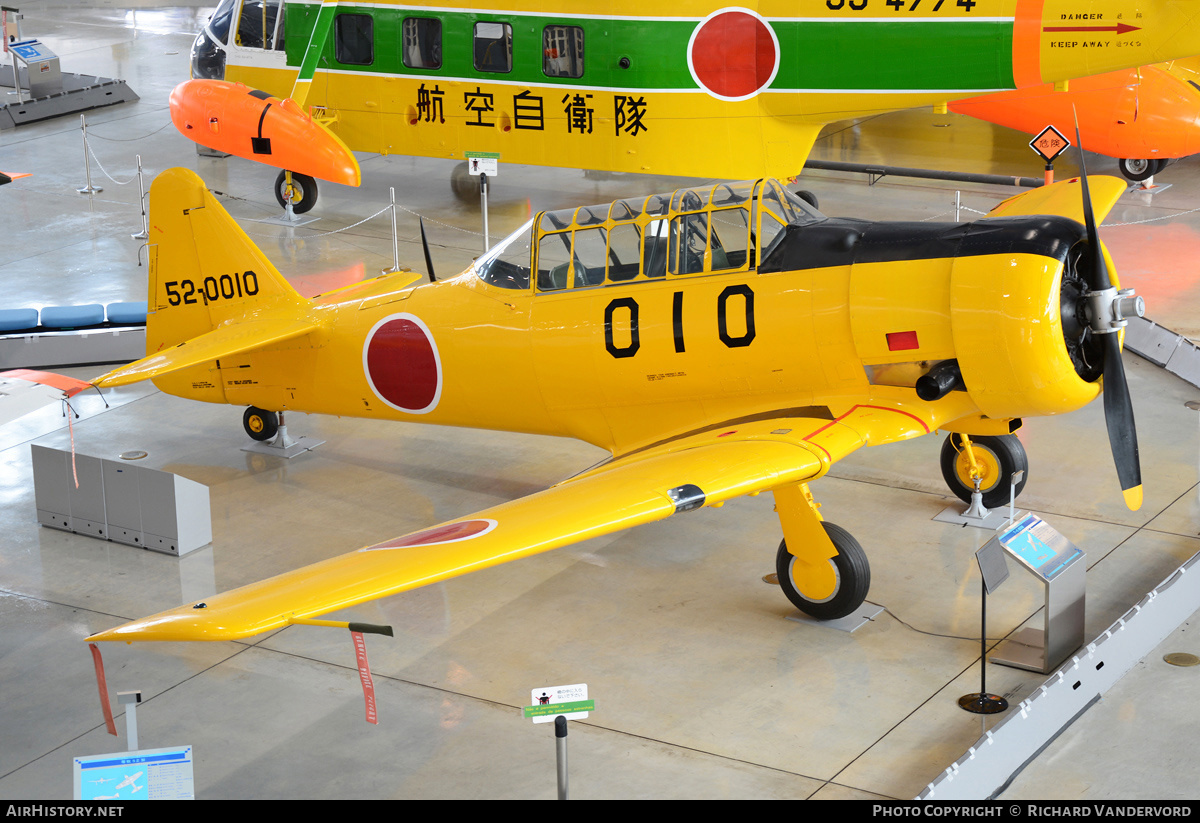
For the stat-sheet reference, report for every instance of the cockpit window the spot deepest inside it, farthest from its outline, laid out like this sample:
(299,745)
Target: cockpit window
(259,25)
(727,227)
(507,264)
(221,19)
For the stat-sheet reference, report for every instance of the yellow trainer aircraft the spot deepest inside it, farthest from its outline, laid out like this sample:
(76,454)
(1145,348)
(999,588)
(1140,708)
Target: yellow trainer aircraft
(719,341)
(698,89)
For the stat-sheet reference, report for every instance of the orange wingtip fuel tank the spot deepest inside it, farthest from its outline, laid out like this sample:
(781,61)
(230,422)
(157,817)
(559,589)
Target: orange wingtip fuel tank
(239,120)
(1153,111)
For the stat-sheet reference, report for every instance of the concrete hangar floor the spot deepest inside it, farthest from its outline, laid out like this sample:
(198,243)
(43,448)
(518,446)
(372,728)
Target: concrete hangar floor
(703,687)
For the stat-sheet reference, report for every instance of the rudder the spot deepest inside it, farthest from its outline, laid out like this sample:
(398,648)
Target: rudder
(204,270)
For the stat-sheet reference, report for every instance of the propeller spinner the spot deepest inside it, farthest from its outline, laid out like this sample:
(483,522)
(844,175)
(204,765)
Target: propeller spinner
(1105,309)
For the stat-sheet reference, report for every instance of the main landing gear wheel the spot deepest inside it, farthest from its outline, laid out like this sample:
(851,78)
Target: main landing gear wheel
(303,192)
(850,568)
(260,425)
(998,457)
(1138,170)
(464,184)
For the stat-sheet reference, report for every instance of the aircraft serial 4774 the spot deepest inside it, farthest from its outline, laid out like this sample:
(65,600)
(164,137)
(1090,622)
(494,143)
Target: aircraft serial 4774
(701,88)
(719,341)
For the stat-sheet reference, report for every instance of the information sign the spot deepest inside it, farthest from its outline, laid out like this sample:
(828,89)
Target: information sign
(148,774)
(550,701)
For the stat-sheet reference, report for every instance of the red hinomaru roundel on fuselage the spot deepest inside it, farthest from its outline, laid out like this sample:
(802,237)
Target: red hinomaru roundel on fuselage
(401,363)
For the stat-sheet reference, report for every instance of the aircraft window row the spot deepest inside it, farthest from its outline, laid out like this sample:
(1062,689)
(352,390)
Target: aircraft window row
(354,39)
(724,228)
(492,44)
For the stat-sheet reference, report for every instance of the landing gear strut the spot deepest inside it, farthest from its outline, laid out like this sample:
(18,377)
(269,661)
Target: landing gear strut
(820,567)
(990,459)
(300,191)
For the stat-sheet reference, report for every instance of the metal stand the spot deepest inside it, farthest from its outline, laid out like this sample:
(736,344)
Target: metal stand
(130,700)
(483,203)
(144,234)
(560,747)
(992,572)
(282,444)
(1042,551)
(1148,186)
(976,514)
(395,238)
(87,163)
(981,702)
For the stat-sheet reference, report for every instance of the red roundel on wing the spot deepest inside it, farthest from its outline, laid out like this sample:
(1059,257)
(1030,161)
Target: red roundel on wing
(403,365)
(733,54)
(448,533)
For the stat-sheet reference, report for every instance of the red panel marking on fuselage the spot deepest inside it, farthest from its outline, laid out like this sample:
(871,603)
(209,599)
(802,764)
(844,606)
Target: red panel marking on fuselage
(448,533)
(733,54)
(902,341)
(402,365)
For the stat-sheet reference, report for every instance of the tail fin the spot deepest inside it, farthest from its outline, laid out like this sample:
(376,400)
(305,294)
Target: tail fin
(204,270)
(212,293)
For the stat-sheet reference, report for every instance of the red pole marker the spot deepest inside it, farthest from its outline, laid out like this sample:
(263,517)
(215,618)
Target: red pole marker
(364,674)
(100,682)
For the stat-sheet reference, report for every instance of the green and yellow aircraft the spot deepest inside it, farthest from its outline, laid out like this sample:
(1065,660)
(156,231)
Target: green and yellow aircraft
(699,89)
(718,341)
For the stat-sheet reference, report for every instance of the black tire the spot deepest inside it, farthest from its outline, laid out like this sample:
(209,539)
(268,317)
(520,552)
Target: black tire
(1138,170)
(1160,164)
(464,184)
(999,457)
(305,192)
(260,425)
(853,577)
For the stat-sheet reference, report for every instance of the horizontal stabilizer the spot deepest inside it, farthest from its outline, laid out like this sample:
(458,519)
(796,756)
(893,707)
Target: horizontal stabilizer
(23,391)
(225,341)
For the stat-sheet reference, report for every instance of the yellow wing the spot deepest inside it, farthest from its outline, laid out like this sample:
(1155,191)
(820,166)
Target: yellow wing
(704,468)
(1064,198)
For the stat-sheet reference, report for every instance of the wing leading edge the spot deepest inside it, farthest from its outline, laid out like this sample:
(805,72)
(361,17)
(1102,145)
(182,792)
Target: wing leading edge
(706,468)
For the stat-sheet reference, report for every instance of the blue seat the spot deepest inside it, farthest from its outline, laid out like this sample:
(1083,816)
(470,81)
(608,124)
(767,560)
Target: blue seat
(127,314)
(18,319)
(72,317)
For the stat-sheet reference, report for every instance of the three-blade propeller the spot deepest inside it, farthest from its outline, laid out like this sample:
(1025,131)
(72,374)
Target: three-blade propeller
(1105,308)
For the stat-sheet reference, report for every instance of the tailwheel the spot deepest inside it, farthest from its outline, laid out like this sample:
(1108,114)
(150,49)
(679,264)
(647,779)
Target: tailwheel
(997,457)
(260,425)
(826,593)
(302,192)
